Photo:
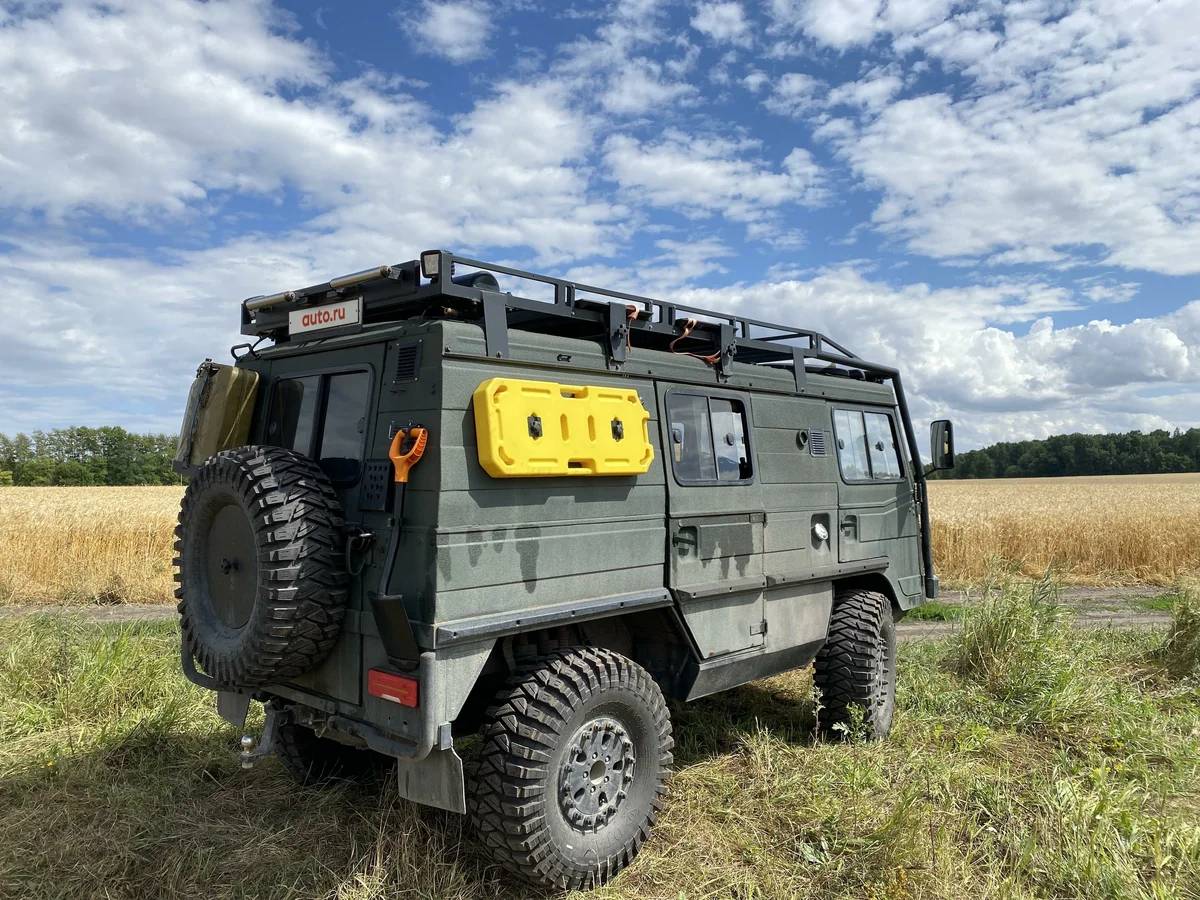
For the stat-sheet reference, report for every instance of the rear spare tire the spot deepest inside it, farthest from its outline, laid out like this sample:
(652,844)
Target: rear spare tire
(261,571)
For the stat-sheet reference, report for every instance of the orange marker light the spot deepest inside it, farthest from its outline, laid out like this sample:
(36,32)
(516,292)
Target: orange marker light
(396,688)
(404,460)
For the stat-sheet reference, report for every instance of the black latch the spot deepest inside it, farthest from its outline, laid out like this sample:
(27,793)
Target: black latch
(535,426)
(618,429)
(728,349)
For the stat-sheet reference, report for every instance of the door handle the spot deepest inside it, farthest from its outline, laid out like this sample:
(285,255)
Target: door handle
(685,537)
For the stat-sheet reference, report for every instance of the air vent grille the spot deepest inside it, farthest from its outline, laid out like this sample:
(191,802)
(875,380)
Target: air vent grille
(816,442)
(408,362)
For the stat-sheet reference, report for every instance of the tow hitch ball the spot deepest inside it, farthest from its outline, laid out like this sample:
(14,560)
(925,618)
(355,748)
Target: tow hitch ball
(251,754)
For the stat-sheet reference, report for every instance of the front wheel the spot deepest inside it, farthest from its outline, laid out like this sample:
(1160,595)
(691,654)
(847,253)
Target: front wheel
(573,768)
(856,667)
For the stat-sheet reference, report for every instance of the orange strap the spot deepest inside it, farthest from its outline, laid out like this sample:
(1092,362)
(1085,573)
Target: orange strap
(405,460)
(633,314)
(688,325)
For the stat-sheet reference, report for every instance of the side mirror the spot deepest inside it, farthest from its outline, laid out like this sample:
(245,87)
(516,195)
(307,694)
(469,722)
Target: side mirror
(941,443)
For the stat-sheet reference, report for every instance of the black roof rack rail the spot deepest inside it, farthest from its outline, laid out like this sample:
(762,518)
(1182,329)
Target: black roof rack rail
(392,293)
(622,320)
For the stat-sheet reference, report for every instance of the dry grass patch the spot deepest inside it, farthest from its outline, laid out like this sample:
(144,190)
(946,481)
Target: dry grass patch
(1102,530)
(87,545)
(117,780)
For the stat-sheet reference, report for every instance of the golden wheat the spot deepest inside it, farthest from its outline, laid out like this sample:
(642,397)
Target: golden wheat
(113,545)
(87,545)
(1101,530)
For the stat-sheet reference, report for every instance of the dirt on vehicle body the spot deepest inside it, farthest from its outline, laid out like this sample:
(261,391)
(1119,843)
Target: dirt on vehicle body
(432,509)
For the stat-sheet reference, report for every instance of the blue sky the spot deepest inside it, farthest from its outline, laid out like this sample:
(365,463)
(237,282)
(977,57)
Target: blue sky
(1004,199)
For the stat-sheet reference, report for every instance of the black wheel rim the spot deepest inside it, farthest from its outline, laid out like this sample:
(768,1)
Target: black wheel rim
(232,566)
(596,773)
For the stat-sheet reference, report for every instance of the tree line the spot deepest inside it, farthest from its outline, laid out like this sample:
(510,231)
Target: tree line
(1132,453)
(83,456)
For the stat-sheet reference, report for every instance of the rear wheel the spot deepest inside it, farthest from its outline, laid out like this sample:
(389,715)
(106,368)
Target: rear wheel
(856,667)
(573,768)
(314,760)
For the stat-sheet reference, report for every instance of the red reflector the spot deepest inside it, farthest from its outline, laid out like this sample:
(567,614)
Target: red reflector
(397,688)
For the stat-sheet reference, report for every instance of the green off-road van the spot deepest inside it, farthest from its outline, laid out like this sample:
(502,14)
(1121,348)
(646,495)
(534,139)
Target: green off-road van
(422,509)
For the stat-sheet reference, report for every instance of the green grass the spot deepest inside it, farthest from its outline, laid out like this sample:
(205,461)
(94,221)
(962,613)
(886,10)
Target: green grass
(936,611)
(1162,603)
(1028,760)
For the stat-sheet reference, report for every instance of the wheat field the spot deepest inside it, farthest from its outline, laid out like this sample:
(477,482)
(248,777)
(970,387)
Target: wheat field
(113,545)
(1113,529)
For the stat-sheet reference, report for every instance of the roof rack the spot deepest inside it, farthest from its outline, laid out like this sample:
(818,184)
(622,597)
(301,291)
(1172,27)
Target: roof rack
(621,320)
(392,293)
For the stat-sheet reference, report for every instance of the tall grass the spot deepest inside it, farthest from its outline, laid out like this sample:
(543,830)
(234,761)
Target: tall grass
(117,780)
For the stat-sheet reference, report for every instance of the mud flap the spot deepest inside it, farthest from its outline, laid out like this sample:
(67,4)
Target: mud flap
(437,780)
(232,707)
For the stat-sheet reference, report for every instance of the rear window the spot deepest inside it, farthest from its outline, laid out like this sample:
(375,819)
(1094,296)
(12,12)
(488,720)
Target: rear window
(323,417)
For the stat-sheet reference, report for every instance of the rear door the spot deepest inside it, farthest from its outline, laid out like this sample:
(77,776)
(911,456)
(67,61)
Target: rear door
(877,510)
(715,517)
(323,405)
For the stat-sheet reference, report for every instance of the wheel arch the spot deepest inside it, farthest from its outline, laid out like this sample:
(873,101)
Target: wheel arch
(874,581)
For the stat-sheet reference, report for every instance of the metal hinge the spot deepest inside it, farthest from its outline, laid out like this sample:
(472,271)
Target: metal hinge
(760,628)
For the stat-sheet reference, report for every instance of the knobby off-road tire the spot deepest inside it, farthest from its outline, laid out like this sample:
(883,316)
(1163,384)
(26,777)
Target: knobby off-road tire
(314,760)
(857,665)
(572,772)
(261,573)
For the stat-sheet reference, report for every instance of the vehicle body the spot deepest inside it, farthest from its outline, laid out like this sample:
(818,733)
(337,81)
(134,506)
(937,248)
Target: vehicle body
(782,474)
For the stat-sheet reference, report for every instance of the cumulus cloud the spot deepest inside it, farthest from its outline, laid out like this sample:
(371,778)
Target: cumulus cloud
(1075,131)
(706,175)
(1054,138)
(963,357)
(457,30)
(723,22)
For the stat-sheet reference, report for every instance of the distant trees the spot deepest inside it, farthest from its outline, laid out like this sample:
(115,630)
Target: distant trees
(1133,453)
(81,456)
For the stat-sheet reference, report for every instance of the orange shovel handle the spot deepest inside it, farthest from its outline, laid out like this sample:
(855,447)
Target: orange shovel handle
(404,461)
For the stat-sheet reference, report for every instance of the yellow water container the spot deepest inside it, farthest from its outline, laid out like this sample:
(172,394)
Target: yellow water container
(541,428)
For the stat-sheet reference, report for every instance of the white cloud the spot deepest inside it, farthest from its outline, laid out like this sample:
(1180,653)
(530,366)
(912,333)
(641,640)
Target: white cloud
(1076,131)
(702,176)
(457,30)
(794,93)
(723,22)
(846,23)
(961,353)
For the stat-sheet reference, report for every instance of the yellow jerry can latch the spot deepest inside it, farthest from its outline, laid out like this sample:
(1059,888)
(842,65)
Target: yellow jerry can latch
(542,428)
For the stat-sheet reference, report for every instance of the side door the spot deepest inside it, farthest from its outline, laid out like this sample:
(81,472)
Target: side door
(877,515)
(715,517)
(323,405)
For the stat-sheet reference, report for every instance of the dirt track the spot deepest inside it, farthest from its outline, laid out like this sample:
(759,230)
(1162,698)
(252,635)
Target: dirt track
(1093,608)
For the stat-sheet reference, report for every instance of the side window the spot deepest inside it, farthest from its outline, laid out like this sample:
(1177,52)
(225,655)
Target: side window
(867,446)
(708,439)
(881,444)
(729,440)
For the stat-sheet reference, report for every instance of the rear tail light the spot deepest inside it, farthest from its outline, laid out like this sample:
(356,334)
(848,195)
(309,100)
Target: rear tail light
(394,687)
